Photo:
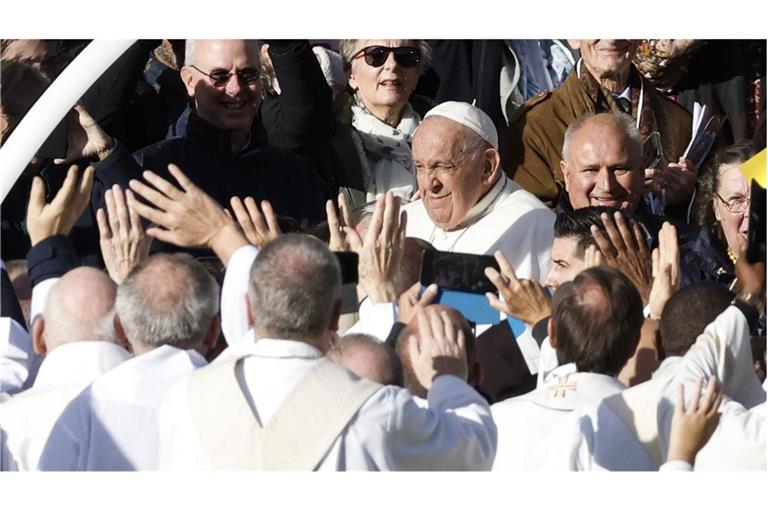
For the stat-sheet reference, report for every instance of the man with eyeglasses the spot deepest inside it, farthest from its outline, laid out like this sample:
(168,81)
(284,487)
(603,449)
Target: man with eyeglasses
(220,152)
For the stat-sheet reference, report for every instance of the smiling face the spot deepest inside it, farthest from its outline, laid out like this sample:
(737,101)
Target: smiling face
(566,262)
(451,177)
(732,186)
(606,58)
(602,167)
(231,106)
(384,90)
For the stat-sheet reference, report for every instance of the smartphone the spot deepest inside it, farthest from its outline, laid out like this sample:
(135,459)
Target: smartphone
(348,262)
(461,283)
(652,151)
(757,224)
(55,146)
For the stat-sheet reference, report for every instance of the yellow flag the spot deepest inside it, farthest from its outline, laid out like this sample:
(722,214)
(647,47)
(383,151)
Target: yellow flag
(754,168)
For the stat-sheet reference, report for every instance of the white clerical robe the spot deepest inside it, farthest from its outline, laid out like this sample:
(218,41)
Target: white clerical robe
(524,422)
(507,218)
(451,430)
(26,420)
(597,438)
(112,424)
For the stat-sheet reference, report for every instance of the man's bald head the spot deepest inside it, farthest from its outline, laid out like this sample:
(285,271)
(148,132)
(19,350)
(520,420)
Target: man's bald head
(602,162)
(460,324)
(80,307)
(596,321)
(368,358)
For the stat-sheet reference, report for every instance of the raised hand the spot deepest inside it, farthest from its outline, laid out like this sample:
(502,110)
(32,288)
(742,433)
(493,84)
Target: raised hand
(411,301)
(338,241)
(58,217)
(666,270)
(186,216)
(626,251)
(121,236)
(593,257)
(439,348)
(523,298)
(85,138)
(693,426)
(678,179)
(259,229)
(382,250)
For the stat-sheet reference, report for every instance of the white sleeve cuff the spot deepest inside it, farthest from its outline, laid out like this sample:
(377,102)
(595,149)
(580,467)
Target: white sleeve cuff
(234,315)
(676,465)
(375,319)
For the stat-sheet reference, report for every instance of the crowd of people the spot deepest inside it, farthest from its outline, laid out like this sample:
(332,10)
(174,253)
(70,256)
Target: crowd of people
(176,285)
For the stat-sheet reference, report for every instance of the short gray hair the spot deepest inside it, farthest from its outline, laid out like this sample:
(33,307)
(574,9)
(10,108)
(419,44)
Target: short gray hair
(348,48)
(190,45)
(168,299)
(61,326)
(294,285)
(620,120)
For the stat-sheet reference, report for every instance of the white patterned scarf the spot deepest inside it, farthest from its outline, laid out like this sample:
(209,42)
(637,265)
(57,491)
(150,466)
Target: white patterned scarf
(385,152)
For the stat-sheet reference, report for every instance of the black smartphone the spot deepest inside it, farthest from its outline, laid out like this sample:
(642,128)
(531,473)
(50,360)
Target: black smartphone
(55,146)
(757,225)
(348,263)
(457,271)
(652,151)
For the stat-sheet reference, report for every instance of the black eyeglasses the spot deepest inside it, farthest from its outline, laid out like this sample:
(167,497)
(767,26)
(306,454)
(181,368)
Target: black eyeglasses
(376,56)
(221,78)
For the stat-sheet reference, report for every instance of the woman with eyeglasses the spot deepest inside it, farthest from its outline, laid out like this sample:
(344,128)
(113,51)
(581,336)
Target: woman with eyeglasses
(724,204)
(383,74)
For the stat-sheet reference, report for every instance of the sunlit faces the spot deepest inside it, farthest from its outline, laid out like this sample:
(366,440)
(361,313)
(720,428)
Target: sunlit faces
(603,167)
(450,180)
(733,189)
(384,90)
(606,58)
(233,105)
(566,262)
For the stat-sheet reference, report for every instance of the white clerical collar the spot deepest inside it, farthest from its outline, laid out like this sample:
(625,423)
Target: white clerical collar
(79,362)
(481,207)
(283,348)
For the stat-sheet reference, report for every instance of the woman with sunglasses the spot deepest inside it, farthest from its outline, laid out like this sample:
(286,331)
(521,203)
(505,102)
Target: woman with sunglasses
(724,198)
(383,74)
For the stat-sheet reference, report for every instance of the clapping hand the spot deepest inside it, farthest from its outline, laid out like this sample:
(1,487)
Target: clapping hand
(523,298)
(259,228)
(626,251)
(58,216)
(439,348)
(382,250)
(121,236)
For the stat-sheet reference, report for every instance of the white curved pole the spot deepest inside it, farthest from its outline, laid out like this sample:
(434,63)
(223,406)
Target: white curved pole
(53,105)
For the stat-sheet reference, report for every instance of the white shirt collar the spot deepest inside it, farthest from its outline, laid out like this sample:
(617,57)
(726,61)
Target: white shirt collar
(282,348)
(481,207)
(78,363)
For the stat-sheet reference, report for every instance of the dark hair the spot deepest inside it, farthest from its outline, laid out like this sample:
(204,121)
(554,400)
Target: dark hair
(688,312)
(599,334)
(709,182)
(576,223)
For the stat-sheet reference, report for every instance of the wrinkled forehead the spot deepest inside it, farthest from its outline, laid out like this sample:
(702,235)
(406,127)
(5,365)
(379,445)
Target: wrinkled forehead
(731,180)
(440,137)
(226,53)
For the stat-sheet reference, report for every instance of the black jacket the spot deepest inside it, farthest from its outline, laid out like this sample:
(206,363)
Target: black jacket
(204,154)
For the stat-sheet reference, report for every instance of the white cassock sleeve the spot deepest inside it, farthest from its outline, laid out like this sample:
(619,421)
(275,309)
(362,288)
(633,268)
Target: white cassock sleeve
(676,465)
(724,351)
(452,430)
(39,297)
(234,312)
(16,356)
(375,319)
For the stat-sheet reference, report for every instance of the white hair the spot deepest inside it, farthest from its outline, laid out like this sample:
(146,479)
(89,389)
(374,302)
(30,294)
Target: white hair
(620,119)
(62,326)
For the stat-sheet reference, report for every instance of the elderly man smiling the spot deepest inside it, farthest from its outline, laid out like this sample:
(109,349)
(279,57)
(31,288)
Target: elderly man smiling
(466,203)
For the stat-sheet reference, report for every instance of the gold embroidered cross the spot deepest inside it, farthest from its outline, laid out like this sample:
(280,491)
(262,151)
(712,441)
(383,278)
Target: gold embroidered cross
(562,386)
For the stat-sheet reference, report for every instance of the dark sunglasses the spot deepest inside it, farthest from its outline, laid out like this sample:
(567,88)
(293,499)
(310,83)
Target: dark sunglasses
(221,78)
(376,56)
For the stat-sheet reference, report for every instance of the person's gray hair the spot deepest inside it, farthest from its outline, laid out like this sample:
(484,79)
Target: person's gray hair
(168,299)
(293,288)
(348,48)
(620,120)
